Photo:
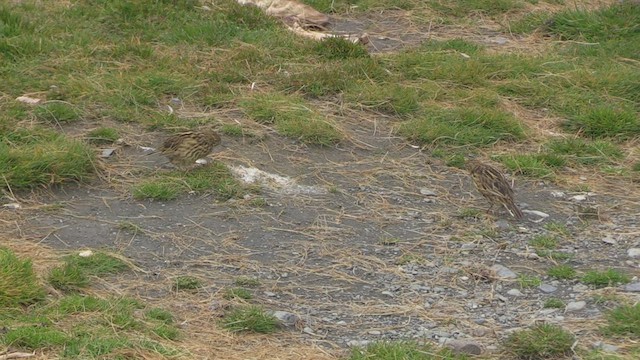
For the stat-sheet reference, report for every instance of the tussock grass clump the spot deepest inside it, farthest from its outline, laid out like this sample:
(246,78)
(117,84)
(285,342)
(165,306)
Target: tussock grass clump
(586,152)
(544,242)
(333,48)
(187,283)
(386,98)
(554,304)
(402,350)
(540,342)
(43,160)
(605,122)
(528,281)
(463,126)
(533,165)
(103,135)
(57,112)
(292,117)
(562,272)
(19,285)
(609,277)
(250,318)
(624,321)
(75,273)
(238,293)
(215,178)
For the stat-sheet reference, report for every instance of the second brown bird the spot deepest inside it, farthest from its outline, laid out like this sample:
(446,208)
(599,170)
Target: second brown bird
(493,186)
(185,148)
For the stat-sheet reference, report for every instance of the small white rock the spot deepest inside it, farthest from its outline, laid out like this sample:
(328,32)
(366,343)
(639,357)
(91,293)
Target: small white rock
(608,240)
(633,253)
(12,206)
(427,192)
(28,100)
(557,194)
(147,149)
(575,305)
(515,292)
(579,198)
(85,253)
(107,153)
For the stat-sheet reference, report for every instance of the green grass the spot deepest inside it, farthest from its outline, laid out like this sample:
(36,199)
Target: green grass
(19,285)
(75,273)
(554,304)
(213,178)
(533,165)
(41,158)
(556,227)
(292,117)
(247,282)
(238,293)
(250,318)
(586,152)
(402,350)
(462,126)
(561,272)
(77,326)
(544,242)
(528,281)
(609,277)
(540,342)
(187,283)
(624,321)
(159,314)
(57,112)
(103,135)
(605,122)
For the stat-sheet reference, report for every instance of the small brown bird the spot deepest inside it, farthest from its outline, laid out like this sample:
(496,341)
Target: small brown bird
(185,148)
(493,186)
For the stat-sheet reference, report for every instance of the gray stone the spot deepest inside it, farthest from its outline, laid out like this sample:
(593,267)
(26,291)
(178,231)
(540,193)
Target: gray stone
(464,346)
(503,271)
(427,192)
(287,318)
(515,292)
(107,153)
(374,332)
(546,288)
(502,224)
(575,306)
(608,240)
(634,287)
(269,293)
(633,253)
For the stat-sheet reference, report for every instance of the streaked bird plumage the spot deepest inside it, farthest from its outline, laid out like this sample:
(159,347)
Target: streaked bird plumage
(493,186)
(186,147)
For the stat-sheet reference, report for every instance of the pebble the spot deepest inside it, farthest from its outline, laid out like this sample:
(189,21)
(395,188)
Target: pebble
(633,287)
(286,318)
(579,198)
(575,306)
(608,240)
(107,153)
(557,194)
(500,40)
(515,292)
(633,253)
(388,293)
(358,343)
(464,346)
(427,192)
(503,271)
(580,288)
(269,293)
(374,332)
(547,288)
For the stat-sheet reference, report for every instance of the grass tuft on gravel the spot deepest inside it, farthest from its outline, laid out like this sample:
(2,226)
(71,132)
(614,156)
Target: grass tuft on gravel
(19,284)
(624,321)
(609,277)
(540,342)
(402,350)
(250,318)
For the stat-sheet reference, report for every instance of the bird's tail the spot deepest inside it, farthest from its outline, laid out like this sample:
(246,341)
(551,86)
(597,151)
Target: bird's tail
(514,209)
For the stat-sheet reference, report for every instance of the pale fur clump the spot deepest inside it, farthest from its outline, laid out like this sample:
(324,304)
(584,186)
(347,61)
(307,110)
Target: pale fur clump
(290,9)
